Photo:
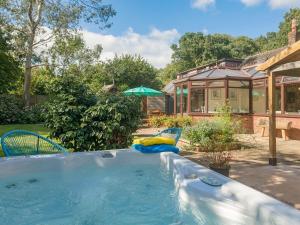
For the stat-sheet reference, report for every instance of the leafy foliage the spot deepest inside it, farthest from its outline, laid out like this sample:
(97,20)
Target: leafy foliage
(157,121)
(9,67)
(196,49)
(110,123)
(169,72)
(71,51)
(63,114)
(41,81)
(131,71)
(215,136)
(37,22)
(279,39)
(170,121)
(32,115)
(12,110)
(83,122)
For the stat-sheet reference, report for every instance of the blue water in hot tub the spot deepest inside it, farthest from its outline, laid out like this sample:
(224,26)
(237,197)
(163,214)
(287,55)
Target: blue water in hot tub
(90,195)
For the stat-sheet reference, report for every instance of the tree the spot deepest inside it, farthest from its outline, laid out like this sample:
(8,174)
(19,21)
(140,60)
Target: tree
(131,71)
(36,22)
(268,42)
(273,40)
(189,50)
(72,51)
(9,67)
(217,46)
(95,77)
(197,49)
(242,47)
(41,81)
(169,72)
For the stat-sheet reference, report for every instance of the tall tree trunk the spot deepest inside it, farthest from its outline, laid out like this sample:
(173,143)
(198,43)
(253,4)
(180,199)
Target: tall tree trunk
(34,22)
(28,67)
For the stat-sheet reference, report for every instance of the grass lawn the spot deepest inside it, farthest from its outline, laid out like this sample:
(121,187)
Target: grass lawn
(37,128)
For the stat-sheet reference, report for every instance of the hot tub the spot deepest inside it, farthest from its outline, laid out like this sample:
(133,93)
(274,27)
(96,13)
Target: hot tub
(128,188)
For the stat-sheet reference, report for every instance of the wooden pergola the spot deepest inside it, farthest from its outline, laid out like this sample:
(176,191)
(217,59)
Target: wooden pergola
(285,63)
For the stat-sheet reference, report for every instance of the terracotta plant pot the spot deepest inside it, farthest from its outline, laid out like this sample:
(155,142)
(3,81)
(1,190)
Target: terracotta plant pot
(223,171)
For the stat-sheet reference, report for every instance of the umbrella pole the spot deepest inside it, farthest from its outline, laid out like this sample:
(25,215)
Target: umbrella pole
(144,105)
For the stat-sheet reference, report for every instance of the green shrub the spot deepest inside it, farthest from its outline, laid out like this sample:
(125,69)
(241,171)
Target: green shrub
(33,114)
(208,134)
(86,122)
(217,133)
(110,123)
(184,121)
(213,137)
(69,99)
(157,121)
(216,136)
(170,121)
(11,109)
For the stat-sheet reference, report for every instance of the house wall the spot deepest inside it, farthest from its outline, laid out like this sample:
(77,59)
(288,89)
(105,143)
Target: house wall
(293,133)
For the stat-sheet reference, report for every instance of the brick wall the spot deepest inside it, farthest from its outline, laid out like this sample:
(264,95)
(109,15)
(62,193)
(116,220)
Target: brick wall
(250,124)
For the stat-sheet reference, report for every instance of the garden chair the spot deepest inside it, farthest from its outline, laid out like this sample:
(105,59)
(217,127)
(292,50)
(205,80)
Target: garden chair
(21,142)
(173,132)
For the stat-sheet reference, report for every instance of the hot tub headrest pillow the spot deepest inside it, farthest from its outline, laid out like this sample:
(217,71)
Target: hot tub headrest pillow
(155,141)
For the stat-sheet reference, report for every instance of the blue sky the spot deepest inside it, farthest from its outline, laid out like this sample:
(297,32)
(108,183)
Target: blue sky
(148,27)
(225,16)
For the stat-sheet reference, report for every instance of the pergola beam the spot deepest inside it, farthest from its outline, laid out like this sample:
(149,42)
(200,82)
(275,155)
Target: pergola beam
(289,52)
(285,68)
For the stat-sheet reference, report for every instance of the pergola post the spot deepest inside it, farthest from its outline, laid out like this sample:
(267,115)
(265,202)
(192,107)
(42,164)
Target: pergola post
(181,99)
(189,97)
(272,119)
(175,100)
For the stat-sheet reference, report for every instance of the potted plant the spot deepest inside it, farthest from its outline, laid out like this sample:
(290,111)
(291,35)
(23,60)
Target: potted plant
(219,161)
(216,137)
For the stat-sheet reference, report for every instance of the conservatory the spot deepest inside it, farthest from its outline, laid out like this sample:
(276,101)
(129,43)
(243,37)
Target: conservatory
(244,84)
(200,92)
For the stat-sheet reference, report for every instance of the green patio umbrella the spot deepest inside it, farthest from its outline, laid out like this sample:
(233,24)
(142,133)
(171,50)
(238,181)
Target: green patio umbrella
(143,91)
(185,91)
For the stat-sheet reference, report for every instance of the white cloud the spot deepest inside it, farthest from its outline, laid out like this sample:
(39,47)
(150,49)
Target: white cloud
(251,2)
(276,4)
(202,4)
(205,31)
(154,46)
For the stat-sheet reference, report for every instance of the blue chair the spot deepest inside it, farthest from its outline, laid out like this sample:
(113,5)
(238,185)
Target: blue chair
(170,132)
(22,142)
(174,131)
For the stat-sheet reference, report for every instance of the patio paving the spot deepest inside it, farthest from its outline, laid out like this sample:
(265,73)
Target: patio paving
(250,166)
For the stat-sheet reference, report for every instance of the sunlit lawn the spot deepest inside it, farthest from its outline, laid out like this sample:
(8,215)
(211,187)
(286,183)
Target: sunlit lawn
(37,128)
